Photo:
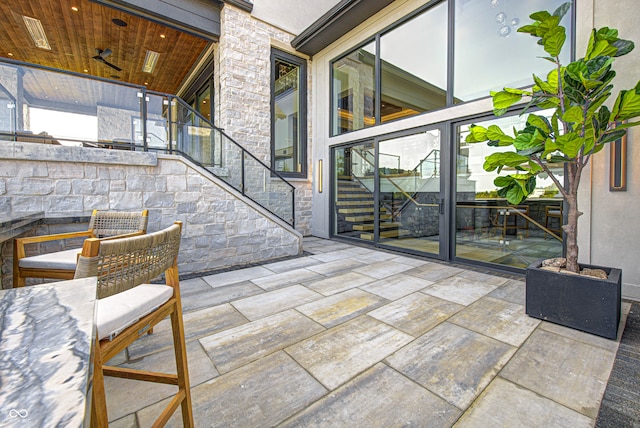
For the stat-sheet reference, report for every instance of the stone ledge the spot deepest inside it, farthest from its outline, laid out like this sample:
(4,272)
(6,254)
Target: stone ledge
(48,153)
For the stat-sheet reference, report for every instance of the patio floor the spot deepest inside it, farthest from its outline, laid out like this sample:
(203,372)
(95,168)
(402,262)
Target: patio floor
(353,336)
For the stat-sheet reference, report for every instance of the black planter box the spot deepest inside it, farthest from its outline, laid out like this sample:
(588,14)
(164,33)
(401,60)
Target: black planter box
(578,301)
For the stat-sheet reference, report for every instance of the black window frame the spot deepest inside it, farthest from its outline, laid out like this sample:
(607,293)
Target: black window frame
(277,54)
(450,101)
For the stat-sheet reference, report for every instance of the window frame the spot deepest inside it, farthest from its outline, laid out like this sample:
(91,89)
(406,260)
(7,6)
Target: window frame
(277,54)
(450,101)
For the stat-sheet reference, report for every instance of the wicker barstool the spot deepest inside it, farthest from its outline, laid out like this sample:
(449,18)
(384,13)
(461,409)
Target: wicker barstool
(129,306)
(62,264)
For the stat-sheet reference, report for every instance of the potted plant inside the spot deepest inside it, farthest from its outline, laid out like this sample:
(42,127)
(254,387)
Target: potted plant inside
(580,126)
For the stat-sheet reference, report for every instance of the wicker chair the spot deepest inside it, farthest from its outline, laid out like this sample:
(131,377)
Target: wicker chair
(128,306)
(62,264)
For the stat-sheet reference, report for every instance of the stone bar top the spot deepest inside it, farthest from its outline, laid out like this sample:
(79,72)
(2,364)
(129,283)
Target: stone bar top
(46,337)
(11,224)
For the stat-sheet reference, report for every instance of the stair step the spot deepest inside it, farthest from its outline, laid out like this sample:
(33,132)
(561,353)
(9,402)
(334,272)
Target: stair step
(352,189)
(354,195)
(353,203)
(362,210)
(362,218)
(369,226)
(386,234)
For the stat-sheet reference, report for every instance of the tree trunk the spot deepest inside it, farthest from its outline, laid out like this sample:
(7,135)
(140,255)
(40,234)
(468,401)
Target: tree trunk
(571,230)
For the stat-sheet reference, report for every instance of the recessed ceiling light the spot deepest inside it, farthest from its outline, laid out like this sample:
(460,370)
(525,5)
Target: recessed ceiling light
(34,27)
(119,22)
(146,83)
(86,71)
(150,61)
(74,8)
(162,36)
(115,76)
(10,54)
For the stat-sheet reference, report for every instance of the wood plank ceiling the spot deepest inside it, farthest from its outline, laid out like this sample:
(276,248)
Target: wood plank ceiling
(74,36)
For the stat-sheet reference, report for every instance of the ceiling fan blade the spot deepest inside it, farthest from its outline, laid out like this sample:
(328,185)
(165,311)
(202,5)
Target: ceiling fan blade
(115,67)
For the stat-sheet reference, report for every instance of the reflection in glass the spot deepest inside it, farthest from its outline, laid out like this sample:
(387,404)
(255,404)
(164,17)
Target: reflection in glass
(287,117)
(354,90)
(354,191)
(490,53)
(488,229)
(415,82)
(409,186)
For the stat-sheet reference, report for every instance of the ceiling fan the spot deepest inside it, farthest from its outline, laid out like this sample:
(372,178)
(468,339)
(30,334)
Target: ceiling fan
(102,57)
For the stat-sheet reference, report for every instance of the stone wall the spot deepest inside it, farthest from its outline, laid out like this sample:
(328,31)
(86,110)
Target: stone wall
(221,228)
(243,77)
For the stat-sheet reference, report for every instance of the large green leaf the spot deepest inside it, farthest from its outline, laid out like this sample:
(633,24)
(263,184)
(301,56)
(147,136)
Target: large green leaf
(528,138)
(501,159)
(570,143)
(614,135)
(547,87)
(503,99)
(540,16)
(539,122)
(623,46)
(494,133)
(573,114)
(627,105)
(602,48)
(477,134)
(562,10)
(554,40)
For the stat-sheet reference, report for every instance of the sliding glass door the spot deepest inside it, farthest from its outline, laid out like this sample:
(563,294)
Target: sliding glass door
(389,192)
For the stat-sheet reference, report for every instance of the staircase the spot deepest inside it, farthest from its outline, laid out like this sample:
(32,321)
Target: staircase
(356,212)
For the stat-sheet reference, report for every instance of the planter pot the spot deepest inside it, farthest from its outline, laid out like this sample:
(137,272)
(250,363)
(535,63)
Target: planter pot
(582,302)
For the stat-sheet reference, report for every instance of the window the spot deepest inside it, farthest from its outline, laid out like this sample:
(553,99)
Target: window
(490,53)
(414,81)
(288,114)
(408,63)
(354,90)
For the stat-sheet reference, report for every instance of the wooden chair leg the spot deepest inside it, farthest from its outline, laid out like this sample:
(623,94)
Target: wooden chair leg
(180,350)
(99,418)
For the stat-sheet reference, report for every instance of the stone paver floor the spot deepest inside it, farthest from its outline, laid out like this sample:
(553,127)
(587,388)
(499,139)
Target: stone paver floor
(354,337)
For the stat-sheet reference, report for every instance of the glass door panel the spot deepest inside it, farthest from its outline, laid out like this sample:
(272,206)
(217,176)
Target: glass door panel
(409,202)
(353,189)
(488,229)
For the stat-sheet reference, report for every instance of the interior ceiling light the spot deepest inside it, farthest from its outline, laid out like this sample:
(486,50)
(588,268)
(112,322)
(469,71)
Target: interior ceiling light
(119,22)
(34,27)
(162,36)
(150,61)
(74,8)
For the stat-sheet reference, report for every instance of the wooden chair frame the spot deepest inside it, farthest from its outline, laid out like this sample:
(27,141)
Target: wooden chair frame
(110,281)
(103,224)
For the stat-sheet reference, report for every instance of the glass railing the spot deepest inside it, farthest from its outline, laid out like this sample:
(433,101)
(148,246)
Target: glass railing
(46,106)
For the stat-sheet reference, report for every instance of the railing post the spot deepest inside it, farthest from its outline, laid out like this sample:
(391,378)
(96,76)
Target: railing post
(169,123)
(242,171)
(143,116)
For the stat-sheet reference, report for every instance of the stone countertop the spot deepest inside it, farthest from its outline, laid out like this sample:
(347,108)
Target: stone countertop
(13,224)
(46,337)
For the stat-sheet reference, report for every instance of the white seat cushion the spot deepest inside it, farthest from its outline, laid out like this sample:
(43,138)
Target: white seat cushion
(66,259)
(117,312)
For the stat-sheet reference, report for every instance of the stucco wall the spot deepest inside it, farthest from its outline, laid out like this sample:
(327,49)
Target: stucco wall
(613,230)
(220,227)
(243,76)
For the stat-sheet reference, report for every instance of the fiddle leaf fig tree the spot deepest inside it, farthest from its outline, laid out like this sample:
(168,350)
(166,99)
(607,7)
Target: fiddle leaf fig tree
(580,126)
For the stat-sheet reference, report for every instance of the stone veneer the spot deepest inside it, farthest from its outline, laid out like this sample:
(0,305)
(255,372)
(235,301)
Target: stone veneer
(243,96)
(221,228)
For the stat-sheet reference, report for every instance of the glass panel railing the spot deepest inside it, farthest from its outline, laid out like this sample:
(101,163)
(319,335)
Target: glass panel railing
(269,191)
(44,106)
(211,148)
(157,124)
(59,108)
